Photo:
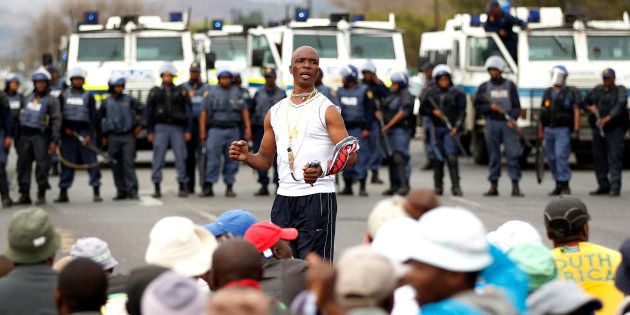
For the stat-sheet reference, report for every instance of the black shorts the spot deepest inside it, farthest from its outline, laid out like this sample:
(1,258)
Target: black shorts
(314,216)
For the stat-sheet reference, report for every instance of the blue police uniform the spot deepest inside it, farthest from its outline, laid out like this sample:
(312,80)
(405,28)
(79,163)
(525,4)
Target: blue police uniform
(119,117)
(79,114)
(197,93)
(557,111)
(16,102)
(452,103)
(399,136)
(264,99)
(357,111)
(326,92)
(169,116)
(426,123)
(223,108)
(5,131)
(375,160)
(505,24)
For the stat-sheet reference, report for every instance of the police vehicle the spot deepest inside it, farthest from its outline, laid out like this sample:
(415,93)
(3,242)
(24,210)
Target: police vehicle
(133,46)
(585,48)
(227,46)
(340,39)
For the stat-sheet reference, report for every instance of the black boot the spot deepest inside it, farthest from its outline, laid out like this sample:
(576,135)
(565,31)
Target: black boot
(41,195)
(190,187)
(599,191)
(347,190)
(493,191)
(557,190)
(97,194)
(438,177)
(24,199)
(263,191)
(207,190)
(428,166)
(229,192)
(133,195)
(158,191)
(516,191)
(120,196)
(375,179)
(394,180)
(453,172)
(6,200)
(565,190)
(63,196)
(183,191)
(404,188)
(362,191)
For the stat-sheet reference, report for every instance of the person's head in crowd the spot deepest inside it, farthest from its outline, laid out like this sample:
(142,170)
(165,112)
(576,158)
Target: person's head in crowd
(225,78)
(622,277)
(179,244)
(271,240)
(240,301)
(535,260)
(392,240)
(384,211)
(230,224)
(560,297)
(172,294)
(62,263)
(447,254)
(32,238)
(364,279)
(419,201)
(82,287)
(493,8)
(566,221)
(235,263)
(139,279)
(513,233)
(95,249)
(6,265)
(428,71)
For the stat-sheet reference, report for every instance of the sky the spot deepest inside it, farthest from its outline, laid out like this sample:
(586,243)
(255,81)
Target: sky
(15,15)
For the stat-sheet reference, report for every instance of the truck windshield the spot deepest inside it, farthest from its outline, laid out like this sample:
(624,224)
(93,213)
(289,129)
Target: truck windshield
(608,47)
(551,48)
(372,47)
(480,49)
(101,49)
(229,48)
(259,42)
(326,45)
(159,48)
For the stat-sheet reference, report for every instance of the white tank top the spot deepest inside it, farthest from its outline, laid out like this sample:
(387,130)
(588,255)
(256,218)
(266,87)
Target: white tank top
(310,143)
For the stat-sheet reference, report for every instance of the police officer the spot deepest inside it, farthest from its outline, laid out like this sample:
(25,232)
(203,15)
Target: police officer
(264,99)
(497,100)
(197,91)
(78,117)
(396,110)
(7,138)
(224,111)
(16,101)
(169,122)
(427,70)
(606,104)
(120,127)
(502,23)
(560,119)
(445,106)
(319,85)
(57,86)
(238,82)
(379,91)
(357,111)
(40,123)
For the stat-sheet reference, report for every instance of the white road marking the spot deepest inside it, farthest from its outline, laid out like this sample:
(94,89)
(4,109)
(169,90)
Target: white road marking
(466,201)
(148,201)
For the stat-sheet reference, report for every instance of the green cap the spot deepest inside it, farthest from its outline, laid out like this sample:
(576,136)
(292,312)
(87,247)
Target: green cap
(32,237)
(536,261)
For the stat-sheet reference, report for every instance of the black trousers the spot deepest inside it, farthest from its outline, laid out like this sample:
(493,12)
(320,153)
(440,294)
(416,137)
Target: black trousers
(193,147)
(32,148)
(314,216)
(608,157)
(122,148)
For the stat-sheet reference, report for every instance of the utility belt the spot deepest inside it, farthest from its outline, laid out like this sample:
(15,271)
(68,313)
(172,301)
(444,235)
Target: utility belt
(28,131)
(223,125)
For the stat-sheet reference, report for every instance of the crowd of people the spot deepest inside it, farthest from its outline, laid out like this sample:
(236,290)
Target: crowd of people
(417,257)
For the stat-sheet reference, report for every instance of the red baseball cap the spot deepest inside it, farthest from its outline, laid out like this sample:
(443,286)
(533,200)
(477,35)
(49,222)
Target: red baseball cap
(265,234)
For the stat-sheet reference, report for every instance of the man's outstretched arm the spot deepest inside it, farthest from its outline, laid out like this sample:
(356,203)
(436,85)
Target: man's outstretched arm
(263,159)
(337,130)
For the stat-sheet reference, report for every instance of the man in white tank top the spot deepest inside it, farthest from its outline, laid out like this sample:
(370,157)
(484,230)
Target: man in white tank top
(304,129)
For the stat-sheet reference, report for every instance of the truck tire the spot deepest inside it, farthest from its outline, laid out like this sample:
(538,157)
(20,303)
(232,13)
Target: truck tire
(479,150)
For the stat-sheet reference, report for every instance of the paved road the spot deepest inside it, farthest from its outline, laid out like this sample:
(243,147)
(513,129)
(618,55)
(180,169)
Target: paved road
(126,224)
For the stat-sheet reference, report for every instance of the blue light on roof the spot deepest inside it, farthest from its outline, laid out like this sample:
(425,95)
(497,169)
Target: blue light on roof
(217,25)
(176,16)
(301,14)
(475,20)
(534,16)
(90,17)
(358,18)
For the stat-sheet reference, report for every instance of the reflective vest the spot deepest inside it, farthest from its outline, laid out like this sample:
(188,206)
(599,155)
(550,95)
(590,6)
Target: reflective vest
(75,106)
(34,114)
(557,108)
(119,117)
(500,94)
(225,107)
(352,103)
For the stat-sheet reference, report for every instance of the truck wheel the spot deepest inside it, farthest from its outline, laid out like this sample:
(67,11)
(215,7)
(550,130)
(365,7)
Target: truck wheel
(479,151)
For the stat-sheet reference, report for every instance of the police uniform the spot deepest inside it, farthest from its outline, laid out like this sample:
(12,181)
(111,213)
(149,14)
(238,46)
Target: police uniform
(39,125)
(399,136)
(224,108)
(263,100)
(5,131)
(452,103)
(608,150)
(357,111)
(16,102)
(379,92)
(557,119)
(169,116)
(503,92)
(504,26)
(119,117)
(56,89)
(327,93)
(197,93)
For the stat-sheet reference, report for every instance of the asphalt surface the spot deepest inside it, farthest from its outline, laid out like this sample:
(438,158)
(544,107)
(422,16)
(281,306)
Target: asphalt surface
(125,225)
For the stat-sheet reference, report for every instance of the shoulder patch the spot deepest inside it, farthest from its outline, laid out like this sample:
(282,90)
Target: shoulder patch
(369,94)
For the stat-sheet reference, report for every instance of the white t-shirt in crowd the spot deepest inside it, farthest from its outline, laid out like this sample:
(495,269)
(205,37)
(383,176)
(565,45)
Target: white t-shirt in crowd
(310,143)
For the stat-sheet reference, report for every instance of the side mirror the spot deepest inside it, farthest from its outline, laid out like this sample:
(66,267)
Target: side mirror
(210,59)
(258,57)
(423,61)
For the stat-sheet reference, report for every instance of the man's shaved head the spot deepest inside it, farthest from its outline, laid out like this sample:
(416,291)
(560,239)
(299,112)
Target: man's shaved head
(304,50)
(235,260)
(304,68)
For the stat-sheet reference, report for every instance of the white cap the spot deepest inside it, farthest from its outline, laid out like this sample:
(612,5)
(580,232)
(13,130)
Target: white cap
(172,294)
(440,70)
(384,211)
(169,68)
(369,66)
(77,72)
(179,244)
(513,233)
(393,240)
(453,239)
(495,62)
